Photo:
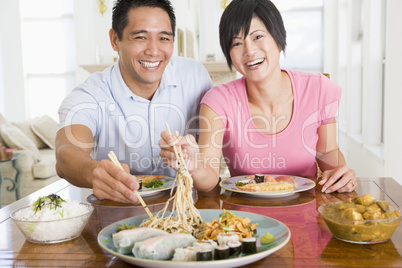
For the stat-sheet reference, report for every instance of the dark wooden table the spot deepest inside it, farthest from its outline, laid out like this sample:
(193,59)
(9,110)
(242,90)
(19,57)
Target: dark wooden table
(311,243)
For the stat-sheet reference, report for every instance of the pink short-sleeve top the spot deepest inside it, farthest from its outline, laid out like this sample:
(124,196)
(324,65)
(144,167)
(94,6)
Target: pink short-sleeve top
(292,151)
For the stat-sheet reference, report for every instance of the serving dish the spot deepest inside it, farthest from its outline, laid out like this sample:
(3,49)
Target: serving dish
(360,231)
(52,231)
(265,224)
(302,184)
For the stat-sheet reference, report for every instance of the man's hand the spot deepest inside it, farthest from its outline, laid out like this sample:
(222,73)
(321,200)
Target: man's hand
(110,182)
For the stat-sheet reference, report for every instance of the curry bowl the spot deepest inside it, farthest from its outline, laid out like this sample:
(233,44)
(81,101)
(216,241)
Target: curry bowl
(346,222)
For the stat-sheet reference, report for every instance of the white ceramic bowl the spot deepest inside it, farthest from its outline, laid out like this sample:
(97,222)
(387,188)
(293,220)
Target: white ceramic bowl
(52,231)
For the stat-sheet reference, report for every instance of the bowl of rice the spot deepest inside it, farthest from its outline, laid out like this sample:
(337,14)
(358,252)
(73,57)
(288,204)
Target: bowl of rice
(51,219)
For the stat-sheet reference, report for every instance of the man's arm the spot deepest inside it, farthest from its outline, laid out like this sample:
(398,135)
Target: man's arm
(74,163)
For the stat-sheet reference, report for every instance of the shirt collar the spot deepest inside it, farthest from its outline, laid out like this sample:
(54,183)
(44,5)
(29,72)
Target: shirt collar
(121,91)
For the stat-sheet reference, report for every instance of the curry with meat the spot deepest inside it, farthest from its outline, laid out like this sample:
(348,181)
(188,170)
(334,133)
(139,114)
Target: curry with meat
(361,219)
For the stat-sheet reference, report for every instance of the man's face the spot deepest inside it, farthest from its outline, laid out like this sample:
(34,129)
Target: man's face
(145,48)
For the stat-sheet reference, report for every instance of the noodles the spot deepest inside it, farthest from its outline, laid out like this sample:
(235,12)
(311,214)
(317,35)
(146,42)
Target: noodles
(187,218)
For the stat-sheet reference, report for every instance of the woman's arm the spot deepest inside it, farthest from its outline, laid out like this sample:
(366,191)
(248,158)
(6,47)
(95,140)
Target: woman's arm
(337,176)
(202,159)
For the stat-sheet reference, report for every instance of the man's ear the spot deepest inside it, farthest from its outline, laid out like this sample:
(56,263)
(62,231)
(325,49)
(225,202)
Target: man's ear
(114,40)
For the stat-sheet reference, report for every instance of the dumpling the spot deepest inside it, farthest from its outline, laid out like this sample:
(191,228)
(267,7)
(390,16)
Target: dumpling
(124,240)
(162,247)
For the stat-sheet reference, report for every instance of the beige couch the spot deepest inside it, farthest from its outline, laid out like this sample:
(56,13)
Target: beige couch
(35,139)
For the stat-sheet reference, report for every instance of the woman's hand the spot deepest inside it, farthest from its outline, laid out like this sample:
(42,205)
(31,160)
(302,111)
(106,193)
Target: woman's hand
(341,179)
(189,148)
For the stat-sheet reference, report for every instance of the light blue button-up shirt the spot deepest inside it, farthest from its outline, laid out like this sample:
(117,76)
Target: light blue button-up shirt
(130,125)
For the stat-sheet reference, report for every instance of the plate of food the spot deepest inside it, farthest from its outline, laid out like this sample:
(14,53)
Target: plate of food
(268,186)
(217,247)
(153,184)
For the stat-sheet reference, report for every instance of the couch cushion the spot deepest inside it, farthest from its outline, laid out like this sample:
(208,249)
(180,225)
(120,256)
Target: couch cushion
(46,167)
(13,137)
(45,128)
(25,126)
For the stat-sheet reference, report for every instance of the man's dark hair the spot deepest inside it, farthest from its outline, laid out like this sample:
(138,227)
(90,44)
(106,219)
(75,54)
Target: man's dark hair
(122,7)
(237,17)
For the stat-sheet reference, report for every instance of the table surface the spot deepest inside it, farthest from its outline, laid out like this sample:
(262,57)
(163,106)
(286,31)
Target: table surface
(311,243)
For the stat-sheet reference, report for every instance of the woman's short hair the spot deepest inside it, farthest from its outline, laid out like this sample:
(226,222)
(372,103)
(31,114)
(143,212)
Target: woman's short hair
(122,7)
(237,17)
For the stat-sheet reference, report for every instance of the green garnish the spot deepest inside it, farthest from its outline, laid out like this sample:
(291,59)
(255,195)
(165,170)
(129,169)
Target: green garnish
(267,238)
(53,201)
(240,183)
(154,184)
(125,227)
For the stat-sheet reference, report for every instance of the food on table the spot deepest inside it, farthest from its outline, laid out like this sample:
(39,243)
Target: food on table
(185,254)
(162,247)
(361,219)
(259,178)
(249,245)
(229,222)
(234,248)
(204,255)
(124,240)
(267,239)
(154,184)
(224,238)
(264,183)
(184,216)
(149,178)
(125,227)
(156,244)
(222,252)
(205,244)
(42,221)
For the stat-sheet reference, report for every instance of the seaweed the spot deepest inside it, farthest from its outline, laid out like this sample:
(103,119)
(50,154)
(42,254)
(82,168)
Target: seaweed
(53,201)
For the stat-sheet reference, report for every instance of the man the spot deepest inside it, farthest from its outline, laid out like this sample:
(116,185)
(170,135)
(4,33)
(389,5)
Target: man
(124,108)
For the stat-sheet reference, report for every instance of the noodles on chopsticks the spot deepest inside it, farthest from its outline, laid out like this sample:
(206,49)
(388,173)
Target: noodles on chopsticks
(184,217)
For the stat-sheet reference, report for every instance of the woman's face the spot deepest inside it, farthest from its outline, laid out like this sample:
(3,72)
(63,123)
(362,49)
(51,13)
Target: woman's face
(257,55)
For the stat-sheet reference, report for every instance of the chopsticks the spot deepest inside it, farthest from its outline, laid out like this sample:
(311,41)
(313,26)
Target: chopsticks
(179,156)
(115,161)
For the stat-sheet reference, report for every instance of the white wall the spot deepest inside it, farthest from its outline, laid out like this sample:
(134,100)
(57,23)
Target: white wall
(393,92)
(355,63)
(92,35)
(12,85)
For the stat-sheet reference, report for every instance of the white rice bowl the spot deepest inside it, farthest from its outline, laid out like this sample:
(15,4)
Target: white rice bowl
(53,225)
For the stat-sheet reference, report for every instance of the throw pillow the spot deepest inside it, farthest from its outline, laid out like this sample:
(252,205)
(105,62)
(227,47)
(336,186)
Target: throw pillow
(25,126)
(13,137)
(45,128)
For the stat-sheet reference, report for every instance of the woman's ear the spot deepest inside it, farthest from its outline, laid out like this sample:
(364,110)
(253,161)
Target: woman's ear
(114,40)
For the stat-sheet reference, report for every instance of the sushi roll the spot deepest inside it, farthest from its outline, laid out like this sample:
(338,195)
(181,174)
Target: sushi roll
(140,183)
(234,248)
(204,254)
(249,245)
(185,254)
(221,252)
(224,238)
(205,244)
(259,178)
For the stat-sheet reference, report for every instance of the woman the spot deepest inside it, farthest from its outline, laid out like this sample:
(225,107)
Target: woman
(270,121)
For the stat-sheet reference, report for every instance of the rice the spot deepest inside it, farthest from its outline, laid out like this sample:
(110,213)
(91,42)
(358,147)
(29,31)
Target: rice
(48,225)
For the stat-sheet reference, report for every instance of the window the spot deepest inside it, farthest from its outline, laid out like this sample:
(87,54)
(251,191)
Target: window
(48,47)
(303,24)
